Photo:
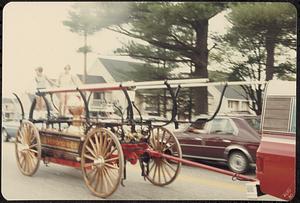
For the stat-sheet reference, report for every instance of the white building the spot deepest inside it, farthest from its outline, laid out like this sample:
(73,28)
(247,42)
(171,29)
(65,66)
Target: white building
(112,70)
(9,108)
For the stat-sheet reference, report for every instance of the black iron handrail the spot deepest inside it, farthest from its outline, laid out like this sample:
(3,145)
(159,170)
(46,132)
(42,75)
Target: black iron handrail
(21,105)
(51,96)
(34,104)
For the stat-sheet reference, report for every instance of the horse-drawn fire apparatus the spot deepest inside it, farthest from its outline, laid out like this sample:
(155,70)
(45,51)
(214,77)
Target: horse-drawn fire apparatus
(101,147)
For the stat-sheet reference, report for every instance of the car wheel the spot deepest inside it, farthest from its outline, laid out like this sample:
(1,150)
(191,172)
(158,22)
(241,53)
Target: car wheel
(4,135)
(238,162)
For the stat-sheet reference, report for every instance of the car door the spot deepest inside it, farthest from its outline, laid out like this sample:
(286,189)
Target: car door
(222,132)
(191,141)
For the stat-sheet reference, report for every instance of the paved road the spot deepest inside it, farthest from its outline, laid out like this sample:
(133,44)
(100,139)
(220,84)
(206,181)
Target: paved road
(64,183)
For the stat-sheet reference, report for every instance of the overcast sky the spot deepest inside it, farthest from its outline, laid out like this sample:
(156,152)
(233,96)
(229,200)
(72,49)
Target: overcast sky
(33,35)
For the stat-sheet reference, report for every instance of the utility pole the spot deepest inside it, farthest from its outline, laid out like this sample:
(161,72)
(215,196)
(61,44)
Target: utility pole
(85,56)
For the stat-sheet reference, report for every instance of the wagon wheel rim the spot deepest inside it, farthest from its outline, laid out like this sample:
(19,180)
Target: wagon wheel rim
(28,148)
(162,171)
(102,162)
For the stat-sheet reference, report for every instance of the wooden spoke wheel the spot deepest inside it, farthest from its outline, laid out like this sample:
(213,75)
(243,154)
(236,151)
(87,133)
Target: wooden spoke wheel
(102,162)
(162,171)
(28,148)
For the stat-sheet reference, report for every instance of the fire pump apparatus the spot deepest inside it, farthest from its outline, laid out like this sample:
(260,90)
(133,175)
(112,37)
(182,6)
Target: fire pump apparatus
(102,147)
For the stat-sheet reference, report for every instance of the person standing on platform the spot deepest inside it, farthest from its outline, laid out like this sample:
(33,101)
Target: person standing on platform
(66,79)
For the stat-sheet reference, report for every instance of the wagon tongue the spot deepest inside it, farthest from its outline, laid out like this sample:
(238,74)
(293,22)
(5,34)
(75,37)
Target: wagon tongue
(235,176)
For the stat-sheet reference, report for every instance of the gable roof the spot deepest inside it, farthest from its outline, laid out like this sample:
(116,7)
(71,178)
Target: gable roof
(92,79)
(232,92)
(120,70)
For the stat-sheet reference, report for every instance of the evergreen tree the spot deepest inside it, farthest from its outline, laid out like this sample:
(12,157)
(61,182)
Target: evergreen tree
(260,32)
(180,28)
(267,24)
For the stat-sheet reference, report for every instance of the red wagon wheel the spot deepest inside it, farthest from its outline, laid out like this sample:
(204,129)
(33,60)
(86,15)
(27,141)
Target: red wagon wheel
(28,148)
(162,171)
(102,162)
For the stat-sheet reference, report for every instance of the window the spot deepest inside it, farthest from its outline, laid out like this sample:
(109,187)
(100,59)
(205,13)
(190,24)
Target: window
(221,126)
(152,104)
(293,117)
(233,105)
(277,114)
(245,106)
(99,95)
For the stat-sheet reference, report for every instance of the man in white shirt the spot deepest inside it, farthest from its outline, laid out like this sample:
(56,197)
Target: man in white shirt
(65,79)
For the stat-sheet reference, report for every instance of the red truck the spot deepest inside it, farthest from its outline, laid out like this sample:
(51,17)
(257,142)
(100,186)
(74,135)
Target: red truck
(275,158)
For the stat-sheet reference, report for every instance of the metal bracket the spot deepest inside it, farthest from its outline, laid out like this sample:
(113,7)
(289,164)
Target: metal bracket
(124,174)
(129,107)
(174,100)
(41,94)
(87,112)
(51,96)
(130,117)
(86,107)
(122,182)
(47,106)
(219,105)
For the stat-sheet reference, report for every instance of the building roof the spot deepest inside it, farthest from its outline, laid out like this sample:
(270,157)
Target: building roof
(232,92)
(121,70)
(92,79)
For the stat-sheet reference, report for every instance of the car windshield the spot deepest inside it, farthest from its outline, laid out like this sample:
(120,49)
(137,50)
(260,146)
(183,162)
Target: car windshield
(254,122)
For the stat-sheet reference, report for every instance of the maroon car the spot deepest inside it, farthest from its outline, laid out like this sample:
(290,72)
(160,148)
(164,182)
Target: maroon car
(228,139)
